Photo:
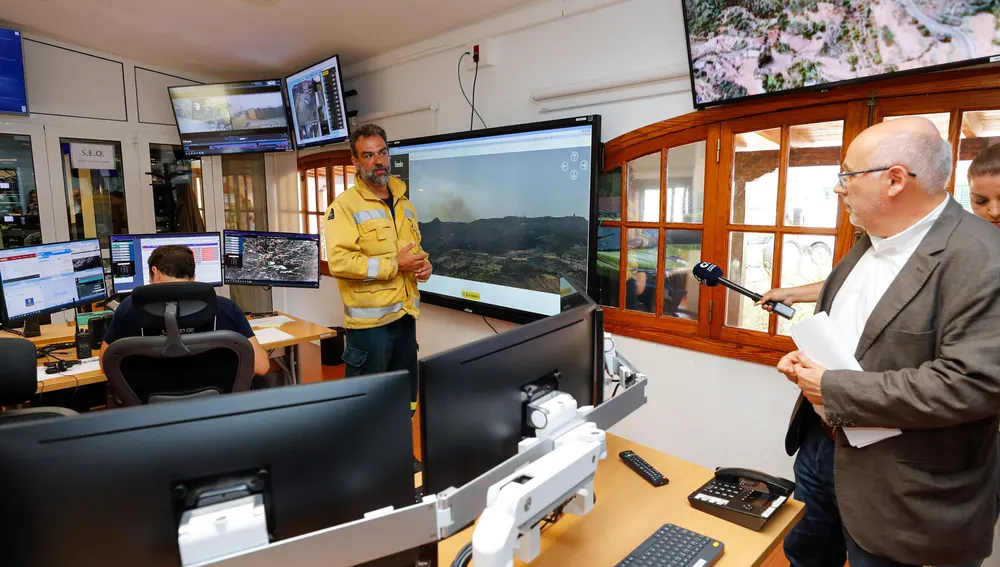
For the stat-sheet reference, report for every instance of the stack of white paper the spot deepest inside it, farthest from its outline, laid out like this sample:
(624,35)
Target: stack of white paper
(817,338)
(271,335)
(276,321)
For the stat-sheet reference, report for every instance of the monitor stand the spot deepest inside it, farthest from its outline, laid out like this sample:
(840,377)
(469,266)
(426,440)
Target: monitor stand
(32,327)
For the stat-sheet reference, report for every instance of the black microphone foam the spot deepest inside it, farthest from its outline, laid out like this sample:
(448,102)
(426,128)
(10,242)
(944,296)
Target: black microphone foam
(707,273)
(19,372)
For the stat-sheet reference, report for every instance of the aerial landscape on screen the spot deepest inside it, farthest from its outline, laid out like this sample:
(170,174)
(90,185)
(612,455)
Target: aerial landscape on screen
(743,48)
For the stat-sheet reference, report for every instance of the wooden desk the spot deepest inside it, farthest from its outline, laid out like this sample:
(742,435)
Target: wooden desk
(302,332)
(628,510)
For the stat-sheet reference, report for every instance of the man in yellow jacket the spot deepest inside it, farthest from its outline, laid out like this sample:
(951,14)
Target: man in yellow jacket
(373,249)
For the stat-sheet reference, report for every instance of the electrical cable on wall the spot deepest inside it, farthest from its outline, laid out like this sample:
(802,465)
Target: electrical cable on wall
(462,87)
(475,78)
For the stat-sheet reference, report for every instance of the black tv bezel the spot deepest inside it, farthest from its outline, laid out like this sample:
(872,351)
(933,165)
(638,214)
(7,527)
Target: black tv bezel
(824,87)
(24,75)
(284,105)
(65,307)
(596,165)
(166,235)
(343,106)
(258,283)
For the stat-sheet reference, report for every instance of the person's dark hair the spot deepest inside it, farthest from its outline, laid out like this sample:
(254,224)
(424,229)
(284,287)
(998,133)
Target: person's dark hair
(987,163)
(366,131)
(173,260)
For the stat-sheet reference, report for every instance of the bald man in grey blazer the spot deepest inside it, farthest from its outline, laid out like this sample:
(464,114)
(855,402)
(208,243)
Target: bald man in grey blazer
(917,301)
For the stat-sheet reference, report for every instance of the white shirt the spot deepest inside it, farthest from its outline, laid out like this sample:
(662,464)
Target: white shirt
(871,277)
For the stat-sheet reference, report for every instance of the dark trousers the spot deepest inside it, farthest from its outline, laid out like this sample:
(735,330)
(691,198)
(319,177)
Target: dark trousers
(383,349)
(820,539)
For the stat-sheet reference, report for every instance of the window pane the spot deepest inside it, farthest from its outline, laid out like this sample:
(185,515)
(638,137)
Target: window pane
(980,130)
(349,172)
(644,189)
(686,183)
(804,260)
(243,184)
(942,120)
(322,241)
(609,244)
(813,164)
(680,290)
(95,198)
(750,258)
(643,257)
(338,181)
(609,195)
(313,224)
(176,184)
(321,189)
(21,224)
(311,189)
(755,177)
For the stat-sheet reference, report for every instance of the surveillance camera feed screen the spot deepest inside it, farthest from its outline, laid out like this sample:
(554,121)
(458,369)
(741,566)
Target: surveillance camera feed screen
(740,49)
(503,217)
(231,118)
(317,100)
(271,258)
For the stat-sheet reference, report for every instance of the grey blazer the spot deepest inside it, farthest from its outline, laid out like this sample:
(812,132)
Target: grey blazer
(931,359)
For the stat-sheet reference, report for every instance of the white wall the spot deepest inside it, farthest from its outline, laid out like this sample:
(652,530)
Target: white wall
(710,410)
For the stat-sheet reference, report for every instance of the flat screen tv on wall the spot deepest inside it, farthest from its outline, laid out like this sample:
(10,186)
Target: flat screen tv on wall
(741,49)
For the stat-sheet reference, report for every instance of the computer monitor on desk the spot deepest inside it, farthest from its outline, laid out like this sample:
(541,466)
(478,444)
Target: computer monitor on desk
(276,259)
(48,278)
(111,487)
(473,398)
(130,254)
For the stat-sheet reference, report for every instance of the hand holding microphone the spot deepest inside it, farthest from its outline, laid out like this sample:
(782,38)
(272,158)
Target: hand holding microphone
(711,275)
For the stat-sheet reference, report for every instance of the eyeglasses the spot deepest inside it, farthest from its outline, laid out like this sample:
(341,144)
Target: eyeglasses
(844,174)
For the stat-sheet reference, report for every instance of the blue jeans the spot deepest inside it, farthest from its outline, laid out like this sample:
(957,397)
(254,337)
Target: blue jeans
(819,539)
(383,349)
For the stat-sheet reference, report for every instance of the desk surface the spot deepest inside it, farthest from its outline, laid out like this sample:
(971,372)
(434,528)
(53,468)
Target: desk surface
(302,331)
(628,510)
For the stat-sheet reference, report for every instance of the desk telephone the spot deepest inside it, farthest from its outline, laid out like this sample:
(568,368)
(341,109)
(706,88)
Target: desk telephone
(742,496)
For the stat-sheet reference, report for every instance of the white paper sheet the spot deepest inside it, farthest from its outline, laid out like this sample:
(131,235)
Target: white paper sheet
(271,335)
(818,339)
(276,321)
(86,365)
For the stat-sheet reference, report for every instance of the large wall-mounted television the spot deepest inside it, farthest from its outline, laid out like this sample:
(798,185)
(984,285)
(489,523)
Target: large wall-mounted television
(13,92)
(231,118)
(746,49)
(505,214)
(316,100)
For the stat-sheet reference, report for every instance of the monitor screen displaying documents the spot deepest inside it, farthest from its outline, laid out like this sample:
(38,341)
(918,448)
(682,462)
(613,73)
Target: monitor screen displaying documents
(51,277)
(316,98)
(278,259)
(130,256)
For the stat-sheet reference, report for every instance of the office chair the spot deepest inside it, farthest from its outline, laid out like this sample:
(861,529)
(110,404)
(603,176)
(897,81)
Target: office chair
(180,355)
(18,382)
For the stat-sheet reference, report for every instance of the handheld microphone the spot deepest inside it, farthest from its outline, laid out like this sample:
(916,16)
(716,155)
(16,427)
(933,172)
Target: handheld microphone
(711,275)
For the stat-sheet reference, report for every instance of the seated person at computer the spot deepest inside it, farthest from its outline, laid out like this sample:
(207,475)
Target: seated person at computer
(174,263)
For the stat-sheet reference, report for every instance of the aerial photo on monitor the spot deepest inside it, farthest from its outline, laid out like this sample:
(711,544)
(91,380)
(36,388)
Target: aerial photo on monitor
(516,219)
(748,47)
(277,259)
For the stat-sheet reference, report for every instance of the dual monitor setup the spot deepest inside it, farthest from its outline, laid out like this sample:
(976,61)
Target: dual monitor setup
(47,278)
(298,460)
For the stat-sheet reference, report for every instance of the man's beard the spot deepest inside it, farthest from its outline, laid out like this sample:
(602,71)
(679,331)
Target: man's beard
(372,178)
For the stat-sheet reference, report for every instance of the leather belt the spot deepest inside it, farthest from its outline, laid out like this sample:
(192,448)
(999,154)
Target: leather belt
(830,431)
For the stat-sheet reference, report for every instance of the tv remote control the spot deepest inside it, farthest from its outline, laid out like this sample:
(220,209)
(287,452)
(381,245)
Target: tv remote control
(644,469)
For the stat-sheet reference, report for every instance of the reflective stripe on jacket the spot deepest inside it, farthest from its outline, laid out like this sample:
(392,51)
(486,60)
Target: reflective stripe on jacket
(362,241)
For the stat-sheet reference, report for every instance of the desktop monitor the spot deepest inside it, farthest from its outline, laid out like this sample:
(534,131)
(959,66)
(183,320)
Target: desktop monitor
(114,484)
(130,257)
(13,86)
(231,118)
(276,259)
(316,99)
(504,213)
(472,398)
(47,278)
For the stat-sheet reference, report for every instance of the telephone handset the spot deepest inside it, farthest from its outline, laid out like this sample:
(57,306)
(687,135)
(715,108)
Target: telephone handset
(742,496)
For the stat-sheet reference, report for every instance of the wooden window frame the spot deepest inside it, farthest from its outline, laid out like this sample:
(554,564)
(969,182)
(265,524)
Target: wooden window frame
(326,161)
(859,105)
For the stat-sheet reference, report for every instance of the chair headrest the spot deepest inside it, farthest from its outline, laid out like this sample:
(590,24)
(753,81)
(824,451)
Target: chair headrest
(196,306)
(19,371)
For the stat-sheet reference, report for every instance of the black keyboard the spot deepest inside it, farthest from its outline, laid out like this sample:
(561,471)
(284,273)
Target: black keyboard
(673,546)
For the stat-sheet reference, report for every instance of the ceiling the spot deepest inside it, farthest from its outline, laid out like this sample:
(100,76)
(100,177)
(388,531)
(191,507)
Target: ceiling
(244,39)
